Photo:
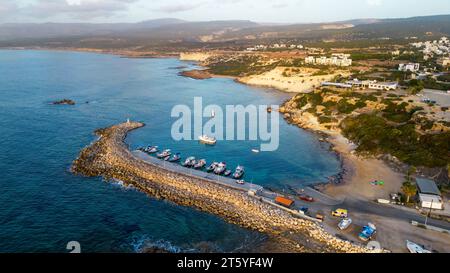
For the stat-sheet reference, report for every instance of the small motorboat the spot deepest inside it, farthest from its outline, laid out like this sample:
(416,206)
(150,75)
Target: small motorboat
(189,162)
(221,168)
(239,173)
(175,158)
(200,164)
(164,154)
(152,149)
(212,167)
(344,223)
(207,140)
(255,151)
(416,248)
(227,173)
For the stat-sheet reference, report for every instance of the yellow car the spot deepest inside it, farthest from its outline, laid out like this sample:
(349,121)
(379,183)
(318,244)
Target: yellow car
(343,213)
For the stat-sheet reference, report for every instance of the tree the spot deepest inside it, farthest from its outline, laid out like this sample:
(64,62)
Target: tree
(409,189)
(411,171)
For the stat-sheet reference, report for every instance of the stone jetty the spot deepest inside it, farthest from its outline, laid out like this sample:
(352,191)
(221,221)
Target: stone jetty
(110,157)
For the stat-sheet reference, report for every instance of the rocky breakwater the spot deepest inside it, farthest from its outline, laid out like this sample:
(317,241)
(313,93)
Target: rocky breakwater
(109,157)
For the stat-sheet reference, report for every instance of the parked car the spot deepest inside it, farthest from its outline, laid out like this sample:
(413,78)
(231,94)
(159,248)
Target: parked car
(343,213)
(303,210)
(306,198)
(320,217)
(367,232)
(345,223)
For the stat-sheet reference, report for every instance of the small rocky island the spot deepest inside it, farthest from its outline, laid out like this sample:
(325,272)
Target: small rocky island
(64,102)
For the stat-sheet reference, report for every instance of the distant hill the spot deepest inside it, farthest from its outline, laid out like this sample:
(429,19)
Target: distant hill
(173,31)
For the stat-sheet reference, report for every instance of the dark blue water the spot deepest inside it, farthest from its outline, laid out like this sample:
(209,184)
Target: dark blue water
(43,206)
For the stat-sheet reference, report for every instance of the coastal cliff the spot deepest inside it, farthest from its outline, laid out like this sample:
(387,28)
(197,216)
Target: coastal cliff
(195,56)
(109,157)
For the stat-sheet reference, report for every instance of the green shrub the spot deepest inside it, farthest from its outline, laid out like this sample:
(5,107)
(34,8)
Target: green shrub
(374,135)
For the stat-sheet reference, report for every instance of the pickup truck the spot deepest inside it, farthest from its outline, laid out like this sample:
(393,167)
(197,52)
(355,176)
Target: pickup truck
(367,232)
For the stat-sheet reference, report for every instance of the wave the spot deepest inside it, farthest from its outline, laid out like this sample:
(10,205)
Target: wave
(120,183)
(146,244)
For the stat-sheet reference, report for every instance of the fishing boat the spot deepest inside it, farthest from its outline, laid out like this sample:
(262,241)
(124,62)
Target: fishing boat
(189,162)
(227,173)
(207,140)
(164,154)
(221,168)
(175,158)
(212,167)
(152,149)
(239,173)
(200,164)
(416,248)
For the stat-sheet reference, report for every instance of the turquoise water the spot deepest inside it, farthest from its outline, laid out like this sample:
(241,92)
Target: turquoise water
(43,206)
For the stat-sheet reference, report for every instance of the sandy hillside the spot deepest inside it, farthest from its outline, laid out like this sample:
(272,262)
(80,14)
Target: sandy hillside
(296,81)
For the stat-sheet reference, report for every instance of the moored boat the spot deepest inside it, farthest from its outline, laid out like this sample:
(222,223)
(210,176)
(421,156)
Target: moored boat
(227,173)
(212,167)
(200,164)
(164,154)
(207,140)
(151,149)
(175,158)
(189,162)
(221,168)
(239,173)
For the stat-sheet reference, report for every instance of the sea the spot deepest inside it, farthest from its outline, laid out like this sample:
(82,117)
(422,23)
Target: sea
(43,206)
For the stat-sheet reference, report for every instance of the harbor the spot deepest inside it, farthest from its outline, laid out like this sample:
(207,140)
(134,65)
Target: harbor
(109,157)
(212,177)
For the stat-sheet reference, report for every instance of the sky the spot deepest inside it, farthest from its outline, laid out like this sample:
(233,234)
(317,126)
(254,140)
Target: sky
(263,11)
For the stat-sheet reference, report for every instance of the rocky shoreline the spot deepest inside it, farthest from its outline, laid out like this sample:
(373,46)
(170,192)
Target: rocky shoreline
(109,157)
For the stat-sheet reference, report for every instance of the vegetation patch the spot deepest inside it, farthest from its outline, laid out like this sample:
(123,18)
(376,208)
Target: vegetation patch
(374,135)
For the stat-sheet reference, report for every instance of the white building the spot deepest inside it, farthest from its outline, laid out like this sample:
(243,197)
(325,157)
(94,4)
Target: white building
(413,67)
(429,194)
(384,86)
(335,60)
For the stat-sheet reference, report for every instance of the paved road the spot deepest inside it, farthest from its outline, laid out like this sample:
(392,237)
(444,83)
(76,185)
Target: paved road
(324,204)
(391,212)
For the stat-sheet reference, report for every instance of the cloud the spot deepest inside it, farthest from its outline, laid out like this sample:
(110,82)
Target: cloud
(174,8)
(374,2)
(76,8)
(8,8)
